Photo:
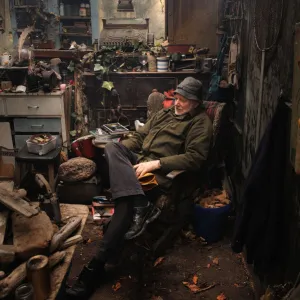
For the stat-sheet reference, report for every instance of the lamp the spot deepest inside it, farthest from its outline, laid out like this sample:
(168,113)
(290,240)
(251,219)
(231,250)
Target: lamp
(125,5)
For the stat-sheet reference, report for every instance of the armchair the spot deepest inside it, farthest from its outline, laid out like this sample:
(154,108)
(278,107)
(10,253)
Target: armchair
(177,204)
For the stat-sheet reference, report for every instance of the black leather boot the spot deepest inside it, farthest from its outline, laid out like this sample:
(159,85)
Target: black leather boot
(141,218)
(85,285)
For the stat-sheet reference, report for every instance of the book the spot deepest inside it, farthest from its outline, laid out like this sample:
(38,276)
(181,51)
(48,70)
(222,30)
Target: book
(115,129)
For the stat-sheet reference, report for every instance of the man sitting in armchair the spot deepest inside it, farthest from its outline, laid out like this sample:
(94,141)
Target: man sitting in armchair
(177,138)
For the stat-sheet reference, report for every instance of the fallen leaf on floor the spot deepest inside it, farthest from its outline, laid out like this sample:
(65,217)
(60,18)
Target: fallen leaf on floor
(158,261)
(195,279)
(193,287)
(156,298)
(116,286)
(208,266)
(196,289)
(216,261)
(221,297)
(237,285)
(189,235)
(88,241)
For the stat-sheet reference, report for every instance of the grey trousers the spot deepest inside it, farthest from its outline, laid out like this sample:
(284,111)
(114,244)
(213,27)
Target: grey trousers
(122,177)
(123,182)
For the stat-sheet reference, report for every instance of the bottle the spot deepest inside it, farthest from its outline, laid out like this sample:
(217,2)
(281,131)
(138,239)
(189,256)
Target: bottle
(151,62)
(82,10)
(96,45)
(62,9)
(88,10)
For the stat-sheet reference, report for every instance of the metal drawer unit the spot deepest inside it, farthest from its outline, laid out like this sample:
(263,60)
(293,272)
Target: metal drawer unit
(37,113)
(35,106)
(37,125)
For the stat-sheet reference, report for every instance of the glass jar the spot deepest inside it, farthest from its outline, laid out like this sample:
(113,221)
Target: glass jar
(62,9)
(82,10)
(24,292)
(151,62)
(88,10)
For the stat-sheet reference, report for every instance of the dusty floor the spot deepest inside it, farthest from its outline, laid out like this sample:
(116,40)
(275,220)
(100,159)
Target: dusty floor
(214,265)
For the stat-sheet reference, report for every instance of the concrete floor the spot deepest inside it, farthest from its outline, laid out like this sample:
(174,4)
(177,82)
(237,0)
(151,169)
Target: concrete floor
(165,281)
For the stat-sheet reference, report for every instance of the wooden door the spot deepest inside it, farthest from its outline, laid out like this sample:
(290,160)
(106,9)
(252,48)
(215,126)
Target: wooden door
(193,22)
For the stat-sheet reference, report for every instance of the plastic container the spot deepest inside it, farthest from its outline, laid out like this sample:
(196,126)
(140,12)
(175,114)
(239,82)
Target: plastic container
(41,149)
(209,223)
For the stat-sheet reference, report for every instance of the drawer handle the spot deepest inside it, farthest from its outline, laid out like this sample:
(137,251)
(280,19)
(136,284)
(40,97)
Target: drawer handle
(39,126)
(33,106)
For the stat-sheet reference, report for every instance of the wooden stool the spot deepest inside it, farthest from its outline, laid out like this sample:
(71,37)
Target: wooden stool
(49,159)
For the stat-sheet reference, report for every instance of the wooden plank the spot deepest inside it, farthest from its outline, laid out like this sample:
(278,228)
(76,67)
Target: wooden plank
(3,223)
(7,185)
(7,254)
(12,201)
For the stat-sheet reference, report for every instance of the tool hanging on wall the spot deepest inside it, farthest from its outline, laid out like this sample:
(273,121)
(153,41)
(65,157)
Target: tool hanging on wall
(267,24)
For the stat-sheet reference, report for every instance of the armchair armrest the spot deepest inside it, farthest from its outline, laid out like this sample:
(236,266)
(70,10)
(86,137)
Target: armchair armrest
(174,173)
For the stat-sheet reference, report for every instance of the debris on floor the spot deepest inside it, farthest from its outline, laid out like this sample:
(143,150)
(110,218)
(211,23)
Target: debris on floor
(182,273)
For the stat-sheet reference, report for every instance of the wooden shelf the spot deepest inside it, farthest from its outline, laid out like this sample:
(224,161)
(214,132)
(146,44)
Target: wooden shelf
(25,6)
(35,30)
(77,34)
(74,18)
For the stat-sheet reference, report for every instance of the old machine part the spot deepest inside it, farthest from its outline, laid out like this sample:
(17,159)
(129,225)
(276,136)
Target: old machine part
(49,201)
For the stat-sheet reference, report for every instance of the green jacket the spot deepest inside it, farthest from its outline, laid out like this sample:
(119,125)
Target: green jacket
(180,142)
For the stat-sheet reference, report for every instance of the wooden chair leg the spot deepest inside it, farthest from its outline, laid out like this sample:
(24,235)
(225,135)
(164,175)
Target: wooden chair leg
(51,177)
(17,174)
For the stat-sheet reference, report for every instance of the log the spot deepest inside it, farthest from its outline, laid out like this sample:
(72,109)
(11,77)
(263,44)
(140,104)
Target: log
(3,224)
(64,233)
(7,254)
(31,236)
(12,201)
(14,279)
(76,239)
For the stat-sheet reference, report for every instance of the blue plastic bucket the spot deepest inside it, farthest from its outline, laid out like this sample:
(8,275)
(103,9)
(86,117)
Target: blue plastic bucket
(209,223)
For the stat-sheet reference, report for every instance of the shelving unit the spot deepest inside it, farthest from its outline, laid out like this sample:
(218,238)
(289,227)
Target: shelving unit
(24,17)
(74,27)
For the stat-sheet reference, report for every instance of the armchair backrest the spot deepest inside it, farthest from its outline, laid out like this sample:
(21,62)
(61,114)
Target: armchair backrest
(220,117)
(215,111)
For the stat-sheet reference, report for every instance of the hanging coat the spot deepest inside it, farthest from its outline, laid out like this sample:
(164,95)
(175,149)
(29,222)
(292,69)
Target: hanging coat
(259,225)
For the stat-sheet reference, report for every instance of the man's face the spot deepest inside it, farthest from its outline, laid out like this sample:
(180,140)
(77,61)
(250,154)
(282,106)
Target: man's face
(183,105)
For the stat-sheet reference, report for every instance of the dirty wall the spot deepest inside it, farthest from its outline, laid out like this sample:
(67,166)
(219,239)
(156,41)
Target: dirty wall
(152,9)
(278,75)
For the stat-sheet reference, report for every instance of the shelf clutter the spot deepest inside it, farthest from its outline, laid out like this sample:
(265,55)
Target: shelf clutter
(75,19)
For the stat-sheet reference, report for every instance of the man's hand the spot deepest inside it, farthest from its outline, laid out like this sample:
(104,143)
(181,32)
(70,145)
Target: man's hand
(146,167)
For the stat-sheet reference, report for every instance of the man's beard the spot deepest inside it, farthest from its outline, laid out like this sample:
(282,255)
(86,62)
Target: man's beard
(179,112)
